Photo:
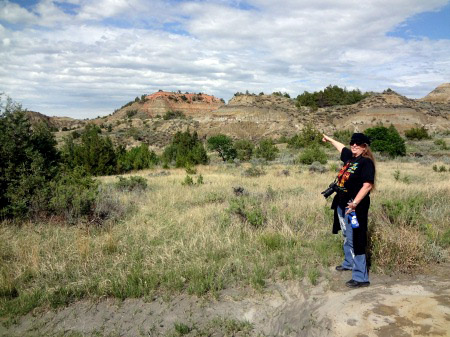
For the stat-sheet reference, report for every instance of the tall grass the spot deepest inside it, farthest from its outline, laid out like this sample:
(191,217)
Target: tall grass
(201,239)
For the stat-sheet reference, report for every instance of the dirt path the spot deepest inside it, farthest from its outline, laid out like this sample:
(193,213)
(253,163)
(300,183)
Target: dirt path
(400,307)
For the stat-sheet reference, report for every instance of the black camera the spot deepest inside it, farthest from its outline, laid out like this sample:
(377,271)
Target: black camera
(330,190)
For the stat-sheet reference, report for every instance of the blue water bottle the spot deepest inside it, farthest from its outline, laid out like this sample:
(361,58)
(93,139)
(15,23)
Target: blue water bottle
(353,220)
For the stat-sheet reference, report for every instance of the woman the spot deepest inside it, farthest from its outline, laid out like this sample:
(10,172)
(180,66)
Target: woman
(355,180)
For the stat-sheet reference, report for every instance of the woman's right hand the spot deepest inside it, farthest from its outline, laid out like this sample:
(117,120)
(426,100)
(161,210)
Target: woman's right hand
(339,146)
(326,138)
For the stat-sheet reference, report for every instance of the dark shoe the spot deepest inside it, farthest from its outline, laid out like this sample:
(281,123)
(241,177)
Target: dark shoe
(340,268)
(356,284)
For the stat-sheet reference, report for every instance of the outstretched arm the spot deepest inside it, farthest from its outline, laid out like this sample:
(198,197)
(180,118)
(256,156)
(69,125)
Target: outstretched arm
(338,145)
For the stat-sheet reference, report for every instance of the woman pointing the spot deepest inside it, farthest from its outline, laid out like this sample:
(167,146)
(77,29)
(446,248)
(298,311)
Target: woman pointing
(354,182)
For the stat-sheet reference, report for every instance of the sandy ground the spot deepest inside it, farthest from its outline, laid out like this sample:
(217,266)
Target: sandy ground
(398,306)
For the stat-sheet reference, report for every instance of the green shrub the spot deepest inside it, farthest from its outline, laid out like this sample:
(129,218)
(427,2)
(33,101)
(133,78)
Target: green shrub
(223,145)
(308,136)
(273,241)
(244,149)
(266,149)
(386,140)
(200,180)
(182,329)
(185,149)
(417,133)
(190,169)
(441,168)
(313,154)
(73,195)
(400,177)
(188,181)
(441,143)
(131,113)
(174,114)
(407,211)
(253,171)
(132,183)
(249,210)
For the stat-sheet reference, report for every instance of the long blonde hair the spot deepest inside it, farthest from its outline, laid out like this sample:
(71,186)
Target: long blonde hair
(368,154)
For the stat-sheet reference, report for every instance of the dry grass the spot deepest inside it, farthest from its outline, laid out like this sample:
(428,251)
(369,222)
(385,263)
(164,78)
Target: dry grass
(190,238)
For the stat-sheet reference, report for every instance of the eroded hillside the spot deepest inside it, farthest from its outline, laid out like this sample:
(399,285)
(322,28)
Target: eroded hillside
(257,116)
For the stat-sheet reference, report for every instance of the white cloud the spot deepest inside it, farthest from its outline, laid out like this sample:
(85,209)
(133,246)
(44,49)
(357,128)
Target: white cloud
(110,51)
(13,13)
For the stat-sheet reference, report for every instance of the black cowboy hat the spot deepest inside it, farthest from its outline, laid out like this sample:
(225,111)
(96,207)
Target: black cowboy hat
(360,138)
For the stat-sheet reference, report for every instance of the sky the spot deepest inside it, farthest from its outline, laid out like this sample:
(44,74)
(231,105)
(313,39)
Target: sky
(86,58)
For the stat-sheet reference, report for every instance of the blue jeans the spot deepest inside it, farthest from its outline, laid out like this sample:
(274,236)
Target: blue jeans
(357,263)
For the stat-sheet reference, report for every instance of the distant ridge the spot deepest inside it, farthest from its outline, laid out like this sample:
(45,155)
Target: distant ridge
(439,95)
(250,116)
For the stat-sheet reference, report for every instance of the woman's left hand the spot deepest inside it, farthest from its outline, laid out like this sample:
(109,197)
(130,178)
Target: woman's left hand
(350,207)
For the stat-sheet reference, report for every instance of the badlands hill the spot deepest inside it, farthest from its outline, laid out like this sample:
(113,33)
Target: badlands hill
(439,95)
(256,116)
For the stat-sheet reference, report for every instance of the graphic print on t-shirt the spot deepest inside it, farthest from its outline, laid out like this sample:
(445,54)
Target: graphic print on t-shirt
(344,174)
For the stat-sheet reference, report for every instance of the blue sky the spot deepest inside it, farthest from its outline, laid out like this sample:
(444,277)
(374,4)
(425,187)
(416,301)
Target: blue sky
(434,25)
(84,58)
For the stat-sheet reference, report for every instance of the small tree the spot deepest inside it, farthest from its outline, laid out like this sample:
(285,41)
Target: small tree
(244,149)
(185,149)
(308,136)
(266,149)
(137,158)
(28,162)
(386,140)
(223,145)
(95,153)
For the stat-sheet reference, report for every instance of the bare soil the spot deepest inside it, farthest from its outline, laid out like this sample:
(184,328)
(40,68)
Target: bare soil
(400,306)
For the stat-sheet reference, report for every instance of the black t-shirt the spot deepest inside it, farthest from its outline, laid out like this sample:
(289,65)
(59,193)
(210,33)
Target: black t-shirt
(355,172)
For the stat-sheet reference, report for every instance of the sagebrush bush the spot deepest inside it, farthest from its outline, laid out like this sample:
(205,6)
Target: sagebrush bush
(133,183)
(108,206)
(253,171)
(317,167)
(441,143)
(249,210)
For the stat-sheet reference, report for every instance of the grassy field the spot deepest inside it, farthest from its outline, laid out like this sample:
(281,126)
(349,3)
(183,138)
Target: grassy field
(202,238)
